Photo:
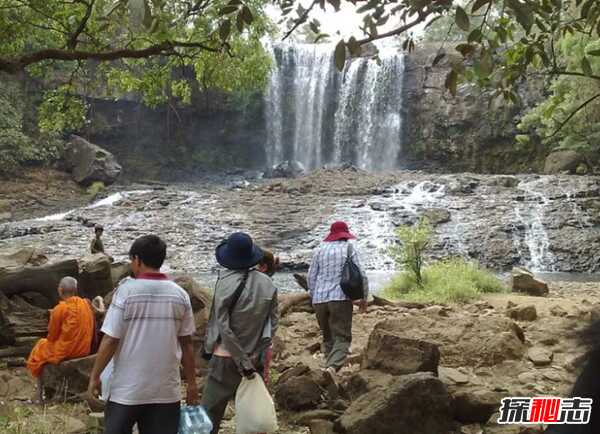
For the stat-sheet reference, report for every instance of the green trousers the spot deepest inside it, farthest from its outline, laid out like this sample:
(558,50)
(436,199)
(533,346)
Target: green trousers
(220,387)
(335,321)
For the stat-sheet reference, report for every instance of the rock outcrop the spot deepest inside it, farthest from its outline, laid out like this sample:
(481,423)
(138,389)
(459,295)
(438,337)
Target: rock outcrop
(411,404)
(298,393)
(90,163)
(287,169)
(524,281)
(399,355)
(70,377)
(565,161)
(43,279)
(95,275)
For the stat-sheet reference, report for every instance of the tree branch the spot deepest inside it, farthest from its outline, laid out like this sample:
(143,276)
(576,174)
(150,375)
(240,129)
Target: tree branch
(420,18)
(72,43)
(13,66)
(573,113)
(301,19)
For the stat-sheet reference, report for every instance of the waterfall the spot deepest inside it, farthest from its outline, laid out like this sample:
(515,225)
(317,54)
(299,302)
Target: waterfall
(318,115)
(531,214)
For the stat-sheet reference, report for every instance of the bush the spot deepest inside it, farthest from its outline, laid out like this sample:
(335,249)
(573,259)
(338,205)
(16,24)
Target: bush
(453,280)
(17,146)
(410,253)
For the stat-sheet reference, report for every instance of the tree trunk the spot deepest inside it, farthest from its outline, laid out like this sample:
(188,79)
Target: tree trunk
(43,279)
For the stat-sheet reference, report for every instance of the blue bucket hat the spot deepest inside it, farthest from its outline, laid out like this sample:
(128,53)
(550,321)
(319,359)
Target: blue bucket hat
(238,252)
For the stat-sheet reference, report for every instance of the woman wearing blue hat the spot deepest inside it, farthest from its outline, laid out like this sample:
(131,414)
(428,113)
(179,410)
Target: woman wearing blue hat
(242,321)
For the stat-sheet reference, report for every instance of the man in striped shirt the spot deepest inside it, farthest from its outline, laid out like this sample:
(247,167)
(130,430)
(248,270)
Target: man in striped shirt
(332,306)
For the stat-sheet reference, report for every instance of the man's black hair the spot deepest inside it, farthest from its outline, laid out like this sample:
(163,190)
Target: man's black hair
(150,249)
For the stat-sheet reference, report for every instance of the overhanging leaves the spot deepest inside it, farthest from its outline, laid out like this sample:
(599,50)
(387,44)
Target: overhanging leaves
(340,55)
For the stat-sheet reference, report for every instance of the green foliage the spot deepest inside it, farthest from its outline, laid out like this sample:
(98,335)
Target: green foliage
(414,241)
(147,47)
(567,95)
(17,147)
(96,188)
(61,110)
(450,281)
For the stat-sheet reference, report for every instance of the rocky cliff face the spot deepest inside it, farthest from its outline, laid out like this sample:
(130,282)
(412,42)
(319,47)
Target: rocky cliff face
(174,143)
(470,132)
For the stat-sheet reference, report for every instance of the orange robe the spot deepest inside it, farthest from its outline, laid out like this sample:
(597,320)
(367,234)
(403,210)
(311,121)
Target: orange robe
(70,333)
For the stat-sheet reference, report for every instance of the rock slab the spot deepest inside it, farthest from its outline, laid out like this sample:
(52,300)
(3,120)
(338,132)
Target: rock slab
(524,281)
(400,355)
(411,404)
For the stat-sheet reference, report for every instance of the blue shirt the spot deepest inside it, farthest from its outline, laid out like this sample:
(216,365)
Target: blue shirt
(325,272)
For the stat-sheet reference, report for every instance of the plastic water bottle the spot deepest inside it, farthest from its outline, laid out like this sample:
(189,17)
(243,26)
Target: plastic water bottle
(194,420)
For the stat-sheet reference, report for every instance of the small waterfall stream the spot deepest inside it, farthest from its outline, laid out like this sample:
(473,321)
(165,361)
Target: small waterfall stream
(531,213)
(318,115)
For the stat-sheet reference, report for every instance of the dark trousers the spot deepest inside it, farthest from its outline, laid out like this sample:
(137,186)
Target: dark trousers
(150,418)
(220,387)
(335,321)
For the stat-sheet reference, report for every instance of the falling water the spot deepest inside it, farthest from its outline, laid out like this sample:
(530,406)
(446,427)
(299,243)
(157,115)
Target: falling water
(317,115)
(531,214)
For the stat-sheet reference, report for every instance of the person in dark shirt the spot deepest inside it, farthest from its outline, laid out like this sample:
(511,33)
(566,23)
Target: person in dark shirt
(587,384)
(97,246)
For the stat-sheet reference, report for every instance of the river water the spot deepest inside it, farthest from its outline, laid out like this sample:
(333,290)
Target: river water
(548,224)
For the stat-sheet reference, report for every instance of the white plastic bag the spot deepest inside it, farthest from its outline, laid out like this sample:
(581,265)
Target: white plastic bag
(254,408)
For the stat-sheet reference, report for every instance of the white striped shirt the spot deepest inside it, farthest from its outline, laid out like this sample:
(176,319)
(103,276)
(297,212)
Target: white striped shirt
(325,272)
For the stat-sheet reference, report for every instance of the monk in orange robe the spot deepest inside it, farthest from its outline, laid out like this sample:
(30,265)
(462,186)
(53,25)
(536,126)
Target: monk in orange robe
(70,331)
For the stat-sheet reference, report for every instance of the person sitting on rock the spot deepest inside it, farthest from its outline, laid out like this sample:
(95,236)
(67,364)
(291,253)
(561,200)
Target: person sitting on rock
(97,246)
(70,331)
(244,306)
(332,307)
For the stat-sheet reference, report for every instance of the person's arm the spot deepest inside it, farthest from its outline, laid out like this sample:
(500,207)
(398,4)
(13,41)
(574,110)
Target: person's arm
(228,337)
(356,260)
(189,369)
(55,322)
(186,330)
(107,350)
(313,272)
(274,314)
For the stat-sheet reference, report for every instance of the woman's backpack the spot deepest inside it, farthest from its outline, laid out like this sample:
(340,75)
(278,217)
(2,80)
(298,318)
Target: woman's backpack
(352,281)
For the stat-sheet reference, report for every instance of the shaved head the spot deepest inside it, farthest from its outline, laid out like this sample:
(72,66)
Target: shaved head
(67,286)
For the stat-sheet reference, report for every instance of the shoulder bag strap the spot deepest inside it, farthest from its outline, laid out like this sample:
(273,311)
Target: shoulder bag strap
(238,291)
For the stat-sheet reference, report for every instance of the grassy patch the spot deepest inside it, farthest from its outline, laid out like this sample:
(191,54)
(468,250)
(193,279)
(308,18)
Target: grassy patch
(453,280)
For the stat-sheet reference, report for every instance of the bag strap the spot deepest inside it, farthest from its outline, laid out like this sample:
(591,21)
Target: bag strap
(238,292)
(349,252)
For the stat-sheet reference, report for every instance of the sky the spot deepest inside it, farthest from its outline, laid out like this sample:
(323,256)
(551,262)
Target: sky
(345,21)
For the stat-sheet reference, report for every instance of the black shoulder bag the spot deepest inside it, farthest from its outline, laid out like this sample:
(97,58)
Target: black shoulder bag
(352,281)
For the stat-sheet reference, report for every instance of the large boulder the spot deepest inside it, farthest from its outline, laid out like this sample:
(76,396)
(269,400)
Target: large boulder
(90,163)
(7,331)
(299,393)
(43,279)
(463,340)
(411,404)
(287,169)
(563,161)
(201,298)
(474,406)
(68,378)
(119,271)
(95,275)
(21,257)
(390,352)
(524,281)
